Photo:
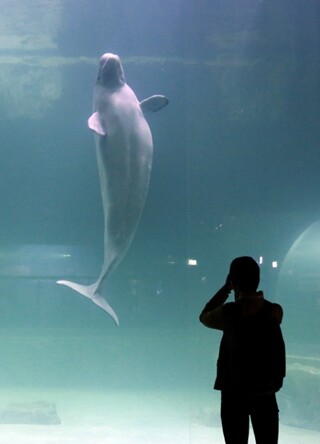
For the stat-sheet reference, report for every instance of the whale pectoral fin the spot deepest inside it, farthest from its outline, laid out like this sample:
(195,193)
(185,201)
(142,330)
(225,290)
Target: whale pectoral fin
(94,123)
(153,103)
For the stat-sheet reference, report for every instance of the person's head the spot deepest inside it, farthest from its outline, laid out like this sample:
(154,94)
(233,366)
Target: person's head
(244,274)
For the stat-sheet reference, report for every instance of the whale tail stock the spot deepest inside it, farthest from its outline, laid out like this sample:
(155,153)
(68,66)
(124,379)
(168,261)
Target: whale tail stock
(90,292)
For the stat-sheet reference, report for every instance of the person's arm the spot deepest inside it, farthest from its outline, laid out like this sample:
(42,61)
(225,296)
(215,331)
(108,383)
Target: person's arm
(212,314)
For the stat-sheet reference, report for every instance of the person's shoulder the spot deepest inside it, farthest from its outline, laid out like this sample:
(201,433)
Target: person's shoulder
(275,310)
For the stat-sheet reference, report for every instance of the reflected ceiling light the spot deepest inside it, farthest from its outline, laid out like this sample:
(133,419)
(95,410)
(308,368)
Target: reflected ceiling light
(260,260)
(192,262)
(274,264)
(171,260)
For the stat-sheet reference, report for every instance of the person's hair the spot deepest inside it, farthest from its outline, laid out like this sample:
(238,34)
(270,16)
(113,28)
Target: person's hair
(245,273)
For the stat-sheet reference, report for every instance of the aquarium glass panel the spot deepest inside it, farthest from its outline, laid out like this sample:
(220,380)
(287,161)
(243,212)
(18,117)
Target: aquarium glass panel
(119,216)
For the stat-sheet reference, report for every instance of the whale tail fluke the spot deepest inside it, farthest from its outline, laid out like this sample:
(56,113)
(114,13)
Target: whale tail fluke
(89,291)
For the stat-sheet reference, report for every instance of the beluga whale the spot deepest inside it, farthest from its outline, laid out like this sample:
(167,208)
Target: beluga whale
(124,149)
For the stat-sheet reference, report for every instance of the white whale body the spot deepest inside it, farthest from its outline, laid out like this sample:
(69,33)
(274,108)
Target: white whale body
(124,151)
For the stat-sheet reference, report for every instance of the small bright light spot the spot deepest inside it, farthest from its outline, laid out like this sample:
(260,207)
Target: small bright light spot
(171,260)
(260,260)
(274,264)
(66,255)
(192,262)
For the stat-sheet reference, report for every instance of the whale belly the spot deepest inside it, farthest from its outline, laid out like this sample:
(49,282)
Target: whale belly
(124,160)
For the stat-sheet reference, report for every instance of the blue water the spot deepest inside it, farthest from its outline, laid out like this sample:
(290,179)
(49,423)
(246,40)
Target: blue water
(235,172)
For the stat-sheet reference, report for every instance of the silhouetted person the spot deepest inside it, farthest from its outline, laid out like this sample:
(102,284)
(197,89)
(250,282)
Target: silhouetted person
(251,362)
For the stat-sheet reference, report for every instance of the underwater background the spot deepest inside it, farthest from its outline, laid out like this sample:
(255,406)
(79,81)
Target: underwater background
(235,172)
